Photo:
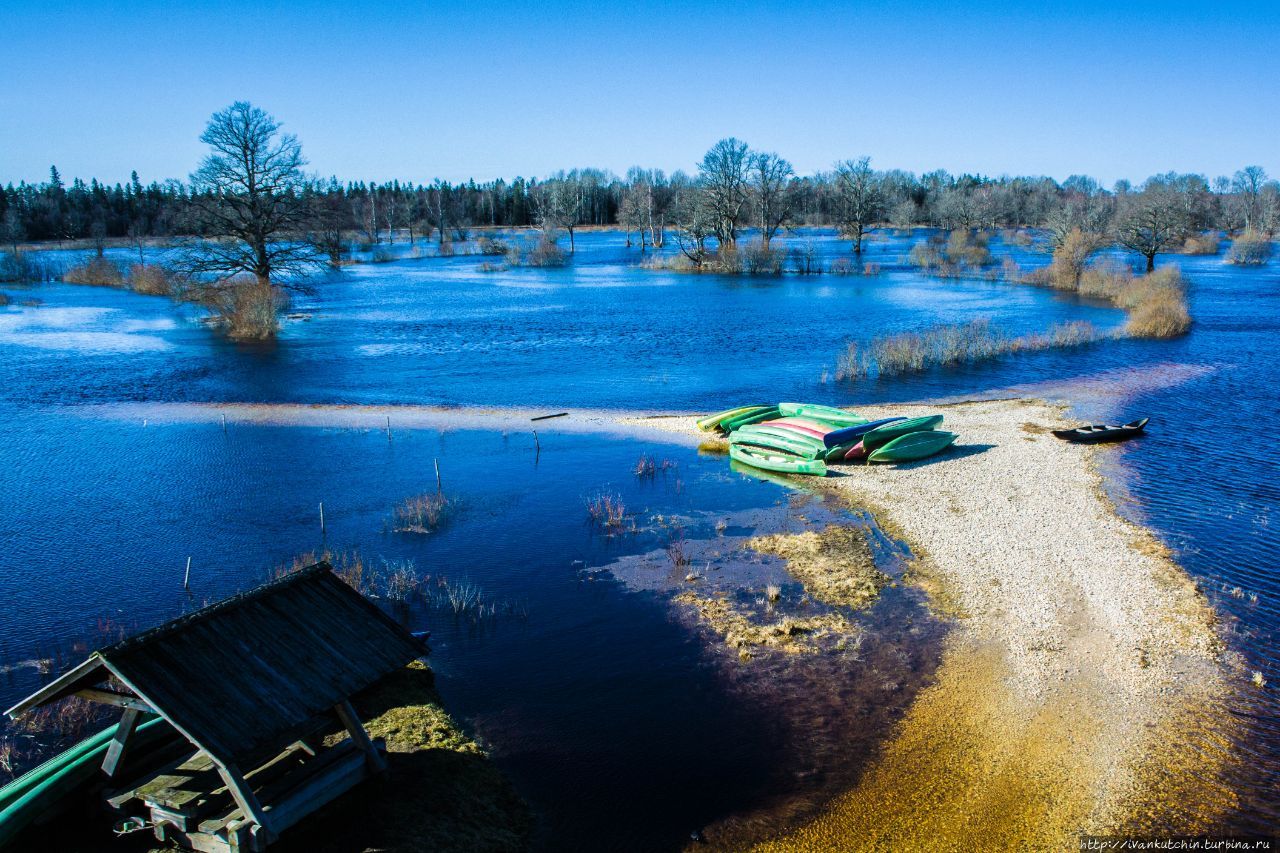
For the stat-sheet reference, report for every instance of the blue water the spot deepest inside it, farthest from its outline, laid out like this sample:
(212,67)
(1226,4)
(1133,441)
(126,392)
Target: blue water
(100,515)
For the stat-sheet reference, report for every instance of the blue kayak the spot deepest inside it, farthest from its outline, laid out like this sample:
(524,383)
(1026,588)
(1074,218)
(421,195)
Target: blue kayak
(848,434)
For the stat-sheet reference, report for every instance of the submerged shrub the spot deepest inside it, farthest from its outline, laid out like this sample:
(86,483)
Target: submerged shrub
(758,258)
(5,300)
(968,248)
(151,279)
(1251,248)
(21,266)
(1071,257)
(1157,304)
(422,513)
(97,271)
(492,246)
(1201,244)
(546,253)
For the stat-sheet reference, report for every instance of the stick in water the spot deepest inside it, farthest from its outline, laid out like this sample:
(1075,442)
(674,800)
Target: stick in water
(537,443)
(388,427)
(224,421)
(438,487)
(186,580)
(549,417)
(321,518)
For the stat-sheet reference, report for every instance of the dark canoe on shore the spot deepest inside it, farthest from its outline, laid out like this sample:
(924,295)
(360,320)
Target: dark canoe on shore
(1095,433)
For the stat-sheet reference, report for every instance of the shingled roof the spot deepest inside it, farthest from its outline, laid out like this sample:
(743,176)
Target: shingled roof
(246,674)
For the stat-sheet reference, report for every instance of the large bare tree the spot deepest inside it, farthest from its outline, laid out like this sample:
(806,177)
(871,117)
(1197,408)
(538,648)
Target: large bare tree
(1151,221)
(722,176)
(860,198)
(773,192)
(247,198)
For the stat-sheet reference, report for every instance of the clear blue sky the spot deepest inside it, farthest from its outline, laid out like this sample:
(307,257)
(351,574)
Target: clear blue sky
(475,89)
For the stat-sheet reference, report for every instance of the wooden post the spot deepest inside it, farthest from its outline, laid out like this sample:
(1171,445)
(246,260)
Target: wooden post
(322,518)
(186,579)
(120,741)
(355,728)
(537,444)
(438,487)
(388,427)
(243,794)
(224,422)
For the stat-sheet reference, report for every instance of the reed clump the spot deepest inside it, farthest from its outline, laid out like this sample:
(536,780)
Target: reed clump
(98,271)
(607,511)
(1156,302)
(423,513)
(951,344)
(151,280)
(492,246)
(962,253)
(22,267)
(1251,248)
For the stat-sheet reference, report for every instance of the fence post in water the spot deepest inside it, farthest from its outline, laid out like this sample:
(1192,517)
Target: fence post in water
(186,579)
(537,444)
(388,427)
(224,422)
(438,487)
(322,518)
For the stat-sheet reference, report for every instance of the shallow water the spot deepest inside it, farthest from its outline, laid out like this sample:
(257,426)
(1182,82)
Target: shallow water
(579,676)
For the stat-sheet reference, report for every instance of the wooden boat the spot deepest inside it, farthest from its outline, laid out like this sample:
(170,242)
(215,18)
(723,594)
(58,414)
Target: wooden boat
(850,435)
(913,445)
(1096,433)
(731,424)
(887,433)
(786,464)
(712,422)
(830,414)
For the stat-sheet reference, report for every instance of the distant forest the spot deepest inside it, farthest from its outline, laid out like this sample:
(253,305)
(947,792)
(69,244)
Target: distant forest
(650,202)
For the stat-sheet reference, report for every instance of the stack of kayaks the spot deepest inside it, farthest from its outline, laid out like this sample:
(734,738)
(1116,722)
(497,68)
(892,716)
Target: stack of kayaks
(804,438)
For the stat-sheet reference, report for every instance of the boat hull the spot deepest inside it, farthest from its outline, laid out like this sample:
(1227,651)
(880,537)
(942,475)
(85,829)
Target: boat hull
(912,446)
(777,462)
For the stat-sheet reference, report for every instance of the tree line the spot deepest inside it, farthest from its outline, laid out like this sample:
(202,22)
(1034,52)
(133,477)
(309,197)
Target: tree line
(733,188)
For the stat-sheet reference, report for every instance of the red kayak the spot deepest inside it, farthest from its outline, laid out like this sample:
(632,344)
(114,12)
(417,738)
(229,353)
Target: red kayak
(805,423)
(798,428)
(855,452)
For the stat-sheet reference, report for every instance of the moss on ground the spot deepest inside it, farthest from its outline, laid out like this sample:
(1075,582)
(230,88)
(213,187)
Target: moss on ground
(789,634)
(440,792)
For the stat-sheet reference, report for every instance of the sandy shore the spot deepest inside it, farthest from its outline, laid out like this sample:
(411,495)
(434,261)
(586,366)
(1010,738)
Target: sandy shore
(1081,689)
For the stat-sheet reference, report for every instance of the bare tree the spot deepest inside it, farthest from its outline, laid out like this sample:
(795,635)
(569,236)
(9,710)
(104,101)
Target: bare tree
(722,174)
(860,199)
(12,230)
(694,220)
(1247,184)
(557,205)
(248,205)
(773,193)
(1151,221)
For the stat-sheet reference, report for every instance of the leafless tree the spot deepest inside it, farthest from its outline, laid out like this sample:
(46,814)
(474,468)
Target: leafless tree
(1247,184)
(557,205)
(1151,221)
(247,200)
(12,230)
(772,192)
(860,199)
(722,175)
(694,221)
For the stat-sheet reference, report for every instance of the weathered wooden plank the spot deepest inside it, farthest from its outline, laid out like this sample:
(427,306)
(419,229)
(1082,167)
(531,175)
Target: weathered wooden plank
(120,741)
(321,788)
(244,796)
(57,688)
(120,700)
(355,728)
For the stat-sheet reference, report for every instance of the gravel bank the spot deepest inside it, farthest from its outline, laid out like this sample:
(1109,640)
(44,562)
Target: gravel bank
(1081,689)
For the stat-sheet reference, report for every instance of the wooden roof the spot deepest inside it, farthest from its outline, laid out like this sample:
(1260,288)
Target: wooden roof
(246,674)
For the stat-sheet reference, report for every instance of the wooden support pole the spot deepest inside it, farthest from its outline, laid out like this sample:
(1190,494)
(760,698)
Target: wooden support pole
(120,742)
(439,489)
(322,518)
(243,794)
(186,579)
(110,697)
(355,728)
(388,427)
(224,422)
(537,444)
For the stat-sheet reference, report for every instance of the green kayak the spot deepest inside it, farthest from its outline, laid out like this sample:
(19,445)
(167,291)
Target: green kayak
(774,445)
(783,463)
(887,433)
(827,414)
(712,422)
(837,453)
(915,445)
(39,790)
(789,436)
(730,424)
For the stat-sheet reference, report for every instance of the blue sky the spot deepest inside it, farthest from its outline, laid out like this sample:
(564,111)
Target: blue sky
(458,90)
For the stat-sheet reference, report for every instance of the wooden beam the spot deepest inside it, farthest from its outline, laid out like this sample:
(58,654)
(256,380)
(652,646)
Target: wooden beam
(243,794)
(355,728)
(120,741)
(110,697)
(57,688)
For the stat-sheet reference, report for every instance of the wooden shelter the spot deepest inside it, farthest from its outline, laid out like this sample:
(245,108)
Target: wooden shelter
(250,683)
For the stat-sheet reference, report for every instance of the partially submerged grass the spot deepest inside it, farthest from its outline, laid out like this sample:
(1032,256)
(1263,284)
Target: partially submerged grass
(95,271)
(950,344)
(607,511)
(962,253)
(835,566)
(423,513)
(1201,244)
(791,635)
